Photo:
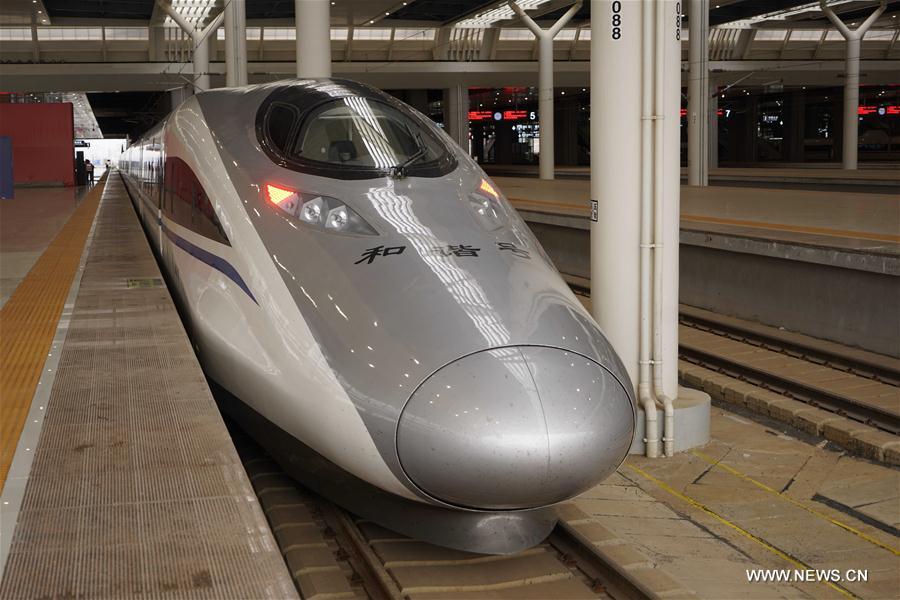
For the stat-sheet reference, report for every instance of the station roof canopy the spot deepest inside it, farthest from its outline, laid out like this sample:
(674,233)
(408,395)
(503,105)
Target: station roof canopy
(755,13)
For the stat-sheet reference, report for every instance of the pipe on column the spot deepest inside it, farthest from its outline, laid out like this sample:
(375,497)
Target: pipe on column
(666,209)
(545,82)
(236,43)
(199,40)
(313,22)
(648,118)
(851,80)
(698,97)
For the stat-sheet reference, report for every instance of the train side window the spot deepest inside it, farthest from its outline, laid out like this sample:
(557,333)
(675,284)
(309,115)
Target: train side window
(188,204)
(281,122)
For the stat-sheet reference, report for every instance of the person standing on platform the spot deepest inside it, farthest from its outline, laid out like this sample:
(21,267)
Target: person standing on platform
(89,169)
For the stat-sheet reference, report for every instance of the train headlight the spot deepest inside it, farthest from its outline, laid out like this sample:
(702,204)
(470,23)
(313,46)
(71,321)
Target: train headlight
(312,211)
(317,211)
(485,204)
(337,218)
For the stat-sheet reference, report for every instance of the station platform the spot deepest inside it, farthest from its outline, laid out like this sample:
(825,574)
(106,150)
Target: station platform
(119,476)
(820,257)
(758,496)
(874,178)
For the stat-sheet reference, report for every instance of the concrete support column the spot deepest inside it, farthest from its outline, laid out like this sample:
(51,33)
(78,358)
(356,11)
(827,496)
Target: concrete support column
(851,104)
(35,43)
(177,96)
(418,99)
(567,132)
(698,94)
(837,114)
(504,140)
(456,115)
(546,110)
(713,127)
(635,196)
(236,43)
(201,65)
(750,144)
(199,40)
(616,91)
(313,22)
(545,82)
(851,79)
(795,132)
(157,40)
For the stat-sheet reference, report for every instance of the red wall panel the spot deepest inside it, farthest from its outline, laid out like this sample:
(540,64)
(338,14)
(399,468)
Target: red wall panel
(42,140)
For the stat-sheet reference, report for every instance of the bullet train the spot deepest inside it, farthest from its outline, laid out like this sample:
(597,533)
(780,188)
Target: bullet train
(374,312)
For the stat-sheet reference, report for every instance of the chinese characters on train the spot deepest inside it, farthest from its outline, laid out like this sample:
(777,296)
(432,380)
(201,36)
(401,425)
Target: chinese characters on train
(457,250)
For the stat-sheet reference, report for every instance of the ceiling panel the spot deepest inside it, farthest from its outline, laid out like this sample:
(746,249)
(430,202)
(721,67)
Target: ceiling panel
(100,9)
(439,11)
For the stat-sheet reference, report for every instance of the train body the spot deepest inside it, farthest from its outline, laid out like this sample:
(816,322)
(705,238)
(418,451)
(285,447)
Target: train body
(377,314)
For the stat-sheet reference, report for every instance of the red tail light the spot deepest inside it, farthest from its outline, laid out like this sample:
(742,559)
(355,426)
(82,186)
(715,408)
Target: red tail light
(277,195)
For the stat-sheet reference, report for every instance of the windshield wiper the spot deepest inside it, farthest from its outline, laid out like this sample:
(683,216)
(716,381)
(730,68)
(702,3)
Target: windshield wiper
(399,171)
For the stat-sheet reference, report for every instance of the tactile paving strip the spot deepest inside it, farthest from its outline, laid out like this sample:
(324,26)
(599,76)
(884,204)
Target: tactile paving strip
(28,322)
(136,488)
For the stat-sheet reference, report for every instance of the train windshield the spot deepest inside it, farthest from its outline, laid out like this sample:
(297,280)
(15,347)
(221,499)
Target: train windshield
(355,136)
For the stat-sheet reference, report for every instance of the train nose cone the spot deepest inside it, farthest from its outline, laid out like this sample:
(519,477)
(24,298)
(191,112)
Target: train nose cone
(514,428)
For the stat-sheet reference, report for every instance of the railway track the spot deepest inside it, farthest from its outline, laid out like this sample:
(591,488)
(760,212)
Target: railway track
(330,553)
(859,385)
(851,383)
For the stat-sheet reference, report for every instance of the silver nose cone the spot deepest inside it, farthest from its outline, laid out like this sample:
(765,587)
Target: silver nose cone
(514,428)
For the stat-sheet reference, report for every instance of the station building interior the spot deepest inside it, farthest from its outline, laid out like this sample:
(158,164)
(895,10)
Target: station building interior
(450,299)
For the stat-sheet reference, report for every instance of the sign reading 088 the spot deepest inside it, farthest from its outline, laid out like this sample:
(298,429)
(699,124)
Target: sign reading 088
(616,20)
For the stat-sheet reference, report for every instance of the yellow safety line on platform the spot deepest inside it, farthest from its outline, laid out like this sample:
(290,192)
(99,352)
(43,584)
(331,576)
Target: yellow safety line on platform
(807,508)
(846,233)
(582,210)
(702,507)
(28,323)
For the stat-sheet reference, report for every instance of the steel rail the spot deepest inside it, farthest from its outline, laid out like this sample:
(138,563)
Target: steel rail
(376,580)
(793,388)
(580,553)
(858,365)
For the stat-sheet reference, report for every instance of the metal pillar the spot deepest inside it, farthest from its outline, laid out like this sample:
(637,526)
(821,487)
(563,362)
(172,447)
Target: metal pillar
(635,196)
(545,82)
(236,43)
(456,115)
(200,42)
(616,175)
(698,94)
(851,79)
(313,22)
